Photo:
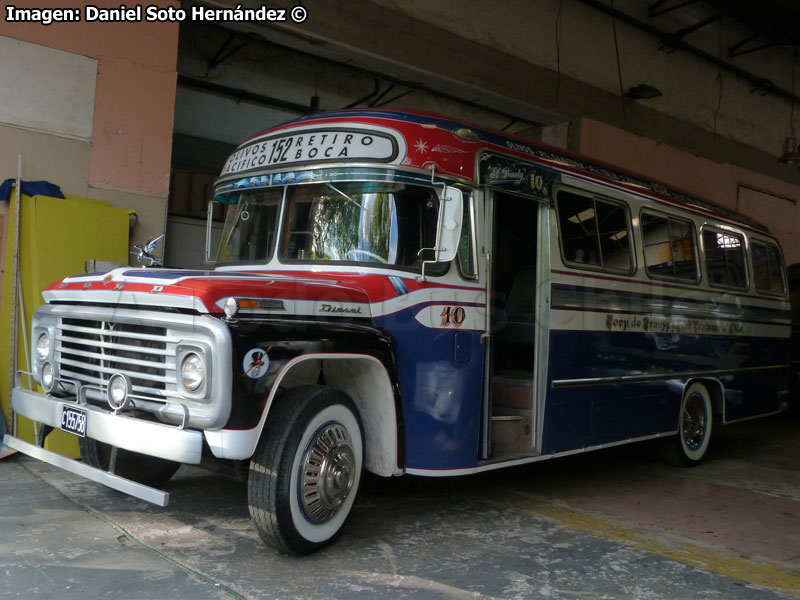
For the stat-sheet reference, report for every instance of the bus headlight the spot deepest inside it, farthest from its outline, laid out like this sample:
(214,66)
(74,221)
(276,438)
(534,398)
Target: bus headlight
(193,372)
(48,377)
(119,391)
(43,347)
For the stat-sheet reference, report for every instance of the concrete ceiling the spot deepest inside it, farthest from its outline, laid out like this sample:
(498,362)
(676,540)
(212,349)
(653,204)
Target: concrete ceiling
(776,21)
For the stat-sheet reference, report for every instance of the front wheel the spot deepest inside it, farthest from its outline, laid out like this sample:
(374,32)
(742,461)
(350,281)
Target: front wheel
(694,428)
(305,473)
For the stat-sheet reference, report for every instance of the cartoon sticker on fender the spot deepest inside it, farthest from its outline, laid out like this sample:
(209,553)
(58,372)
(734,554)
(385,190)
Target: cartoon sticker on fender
(256,363)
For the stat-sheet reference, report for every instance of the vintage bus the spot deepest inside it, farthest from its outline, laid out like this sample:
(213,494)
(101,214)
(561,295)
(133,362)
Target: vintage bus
(400,293)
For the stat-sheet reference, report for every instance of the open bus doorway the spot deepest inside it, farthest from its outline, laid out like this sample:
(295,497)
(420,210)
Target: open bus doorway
(513,328)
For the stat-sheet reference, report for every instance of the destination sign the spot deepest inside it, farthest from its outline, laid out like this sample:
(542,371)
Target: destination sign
(318,145)
(517,176)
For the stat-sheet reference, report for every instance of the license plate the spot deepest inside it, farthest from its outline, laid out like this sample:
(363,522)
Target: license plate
(73,420)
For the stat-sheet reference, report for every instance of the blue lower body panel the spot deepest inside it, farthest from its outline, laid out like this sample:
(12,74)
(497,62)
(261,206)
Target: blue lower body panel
(440,373)
(579,416)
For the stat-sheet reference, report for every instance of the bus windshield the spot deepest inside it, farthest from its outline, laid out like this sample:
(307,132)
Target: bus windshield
(250,227)
(376,223)
(364,222)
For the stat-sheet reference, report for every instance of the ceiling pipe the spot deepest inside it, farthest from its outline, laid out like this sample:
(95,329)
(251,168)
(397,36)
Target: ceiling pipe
(759,83)
(241,94)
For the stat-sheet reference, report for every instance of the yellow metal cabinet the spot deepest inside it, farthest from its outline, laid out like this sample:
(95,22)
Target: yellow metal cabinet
(56,236)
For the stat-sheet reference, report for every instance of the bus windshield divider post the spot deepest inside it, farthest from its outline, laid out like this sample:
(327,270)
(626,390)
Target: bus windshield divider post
(209,226)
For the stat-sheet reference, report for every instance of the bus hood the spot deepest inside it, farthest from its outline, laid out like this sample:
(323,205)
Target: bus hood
(207,291)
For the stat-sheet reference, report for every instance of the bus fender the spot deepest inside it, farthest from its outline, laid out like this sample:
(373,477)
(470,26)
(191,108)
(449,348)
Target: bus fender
(715,389)
(366,381)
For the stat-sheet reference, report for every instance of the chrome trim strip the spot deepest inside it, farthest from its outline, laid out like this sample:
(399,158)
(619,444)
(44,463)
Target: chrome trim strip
(769,414)
(544,313)
(114,358)
(589,381)
(567,276)
(125,298)
(501,464)
(611,301)
(136,435)
(128,372)
(88,380)
(115,333)
(126,486)
(98,344)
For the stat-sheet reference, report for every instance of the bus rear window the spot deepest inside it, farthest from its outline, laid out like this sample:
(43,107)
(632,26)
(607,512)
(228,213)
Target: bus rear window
(767,269)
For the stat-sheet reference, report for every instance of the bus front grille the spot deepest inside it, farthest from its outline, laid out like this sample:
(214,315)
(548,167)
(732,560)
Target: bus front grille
(91,351)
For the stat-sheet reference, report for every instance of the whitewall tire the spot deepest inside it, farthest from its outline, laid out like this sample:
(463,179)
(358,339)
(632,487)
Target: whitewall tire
(305,473)
(694,428)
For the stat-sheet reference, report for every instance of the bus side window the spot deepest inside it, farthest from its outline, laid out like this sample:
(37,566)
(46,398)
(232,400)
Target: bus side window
(614,239)
(594,232)
(669,247)
(578,224)
(466,250)
(767,269)
(724,252)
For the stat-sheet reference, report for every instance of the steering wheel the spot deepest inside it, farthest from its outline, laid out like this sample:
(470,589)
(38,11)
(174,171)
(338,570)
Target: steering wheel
(358,254)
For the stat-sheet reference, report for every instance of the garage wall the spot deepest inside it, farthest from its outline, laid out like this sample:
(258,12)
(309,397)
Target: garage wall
(711,131)
(769,200)
(90,108)
(33,73)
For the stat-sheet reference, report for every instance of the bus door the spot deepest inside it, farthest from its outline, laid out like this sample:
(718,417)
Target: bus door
(513,237)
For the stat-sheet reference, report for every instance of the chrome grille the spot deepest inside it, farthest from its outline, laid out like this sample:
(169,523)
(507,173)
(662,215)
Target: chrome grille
(90,351)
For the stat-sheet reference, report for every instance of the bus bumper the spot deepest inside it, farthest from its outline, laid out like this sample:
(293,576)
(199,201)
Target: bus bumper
(116,482)
(146,437)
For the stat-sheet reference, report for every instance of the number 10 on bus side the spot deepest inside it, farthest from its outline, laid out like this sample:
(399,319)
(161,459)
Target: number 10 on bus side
(453,316)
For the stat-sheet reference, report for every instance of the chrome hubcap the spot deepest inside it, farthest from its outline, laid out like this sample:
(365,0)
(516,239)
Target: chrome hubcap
(328,472)
(694,422)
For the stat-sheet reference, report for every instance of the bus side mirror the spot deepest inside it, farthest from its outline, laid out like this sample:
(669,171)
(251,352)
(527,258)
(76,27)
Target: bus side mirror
(209,229)
(449,229)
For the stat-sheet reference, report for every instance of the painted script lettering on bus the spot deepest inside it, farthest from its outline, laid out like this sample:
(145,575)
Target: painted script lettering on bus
(664,324)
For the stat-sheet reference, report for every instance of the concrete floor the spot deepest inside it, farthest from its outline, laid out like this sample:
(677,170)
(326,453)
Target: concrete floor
(613,524)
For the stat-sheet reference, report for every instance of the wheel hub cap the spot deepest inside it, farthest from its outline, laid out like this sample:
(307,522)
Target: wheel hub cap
(328,473)
(694,422)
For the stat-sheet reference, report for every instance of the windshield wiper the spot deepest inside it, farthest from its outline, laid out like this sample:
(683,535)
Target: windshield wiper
(341,193)
(242,214)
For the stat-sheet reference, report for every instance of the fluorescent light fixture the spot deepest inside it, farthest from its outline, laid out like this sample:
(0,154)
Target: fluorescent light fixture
(582,216)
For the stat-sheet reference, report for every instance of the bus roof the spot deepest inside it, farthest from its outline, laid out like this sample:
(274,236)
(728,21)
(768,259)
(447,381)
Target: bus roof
(454,149)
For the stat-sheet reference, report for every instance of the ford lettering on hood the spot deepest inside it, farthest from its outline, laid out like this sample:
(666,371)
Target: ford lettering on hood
(207,291)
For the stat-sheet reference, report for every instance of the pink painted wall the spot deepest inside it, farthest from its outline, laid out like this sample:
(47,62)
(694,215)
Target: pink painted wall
(135,94)
(770,201)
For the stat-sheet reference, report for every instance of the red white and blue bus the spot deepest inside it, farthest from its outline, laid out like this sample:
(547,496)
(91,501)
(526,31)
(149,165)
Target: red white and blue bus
(401,293)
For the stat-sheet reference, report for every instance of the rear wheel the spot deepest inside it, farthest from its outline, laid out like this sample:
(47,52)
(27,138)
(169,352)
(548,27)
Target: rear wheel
(144,469)
(305,473)
(694,428)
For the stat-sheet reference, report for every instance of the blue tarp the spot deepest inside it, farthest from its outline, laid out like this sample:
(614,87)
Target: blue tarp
(30,188)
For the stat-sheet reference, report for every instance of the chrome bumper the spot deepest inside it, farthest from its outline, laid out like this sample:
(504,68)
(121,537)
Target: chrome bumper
(136,435)
(116,482)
